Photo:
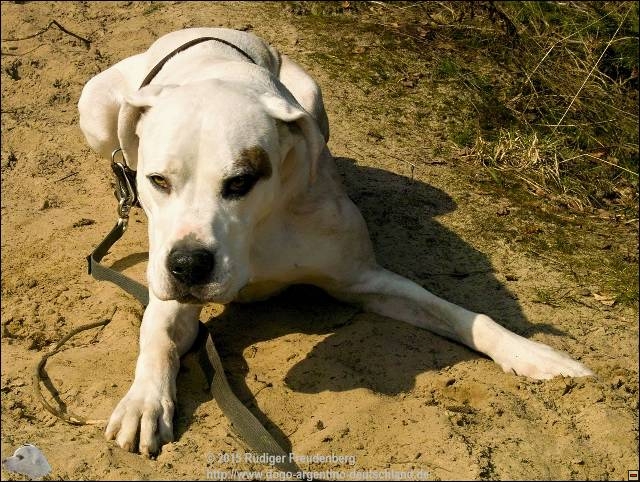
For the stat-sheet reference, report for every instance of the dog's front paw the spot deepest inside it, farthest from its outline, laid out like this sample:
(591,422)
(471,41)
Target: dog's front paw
(536,360)
(145,411)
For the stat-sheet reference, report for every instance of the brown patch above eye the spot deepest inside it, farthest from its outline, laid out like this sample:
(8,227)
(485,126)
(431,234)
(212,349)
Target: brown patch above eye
(254,160)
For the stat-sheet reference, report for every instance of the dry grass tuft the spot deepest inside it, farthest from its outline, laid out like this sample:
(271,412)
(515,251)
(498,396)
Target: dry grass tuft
(553,86)
(575,103)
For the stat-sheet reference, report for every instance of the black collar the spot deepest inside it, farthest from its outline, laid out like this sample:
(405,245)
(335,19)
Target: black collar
(147,80)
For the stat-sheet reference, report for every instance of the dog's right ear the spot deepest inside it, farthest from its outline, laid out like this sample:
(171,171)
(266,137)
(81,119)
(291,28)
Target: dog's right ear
(132,108)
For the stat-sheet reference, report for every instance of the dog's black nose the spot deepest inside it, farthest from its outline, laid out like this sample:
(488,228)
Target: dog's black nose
(191,266)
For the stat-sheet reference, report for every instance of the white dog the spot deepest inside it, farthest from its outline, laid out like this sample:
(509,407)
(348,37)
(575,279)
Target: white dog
(243,200)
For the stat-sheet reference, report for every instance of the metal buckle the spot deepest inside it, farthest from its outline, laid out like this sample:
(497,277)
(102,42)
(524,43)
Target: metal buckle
(125,186)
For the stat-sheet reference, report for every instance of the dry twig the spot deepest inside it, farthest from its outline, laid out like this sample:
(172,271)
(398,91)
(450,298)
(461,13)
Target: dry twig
(87,43)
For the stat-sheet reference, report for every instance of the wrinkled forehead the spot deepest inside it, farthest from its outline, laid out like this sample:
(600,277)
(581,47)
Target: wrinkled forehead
(227,132)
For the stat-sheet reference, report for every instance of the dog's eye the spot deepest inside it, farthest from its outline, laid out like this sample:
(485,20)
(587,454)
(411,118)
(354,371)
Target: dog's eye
(159,182)
(238,186)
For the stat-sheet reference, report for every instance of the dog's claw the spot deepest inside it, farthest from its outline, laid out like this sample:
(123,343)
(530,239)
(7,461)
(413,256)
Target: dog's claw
(145,415)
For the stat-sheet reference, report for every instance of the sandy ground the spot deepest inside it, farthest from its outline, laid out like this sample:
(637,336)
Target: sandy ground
(324,377)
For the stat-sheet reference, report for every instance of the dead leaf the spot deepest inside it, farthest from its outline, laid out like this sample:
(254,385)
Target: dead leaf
(604,299)
(540,192)
(83,222)
(532,229)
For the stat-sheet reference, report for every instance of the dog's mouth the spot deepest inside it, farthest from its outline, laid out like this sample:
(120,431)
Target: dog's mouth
(189,299)
(201,294)
(193,299)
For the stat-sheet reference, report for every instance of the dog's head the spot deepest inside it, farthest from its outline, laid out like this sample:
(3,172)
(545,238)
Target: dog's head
(214,160)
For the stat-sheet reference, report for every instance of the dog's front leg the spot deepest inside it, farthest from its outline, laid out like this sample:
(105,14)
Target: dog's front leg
(392,295)
(167,332)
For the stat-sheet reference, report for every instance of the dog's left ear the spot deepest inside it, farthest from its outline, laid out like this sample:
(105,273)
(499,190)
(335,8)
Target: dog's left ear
(133,106)
(288,110)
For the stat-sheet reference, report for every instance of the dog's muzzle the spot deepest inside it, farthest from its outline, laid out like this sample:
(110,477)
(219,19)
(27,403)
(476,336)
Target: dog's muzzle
(191,266)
